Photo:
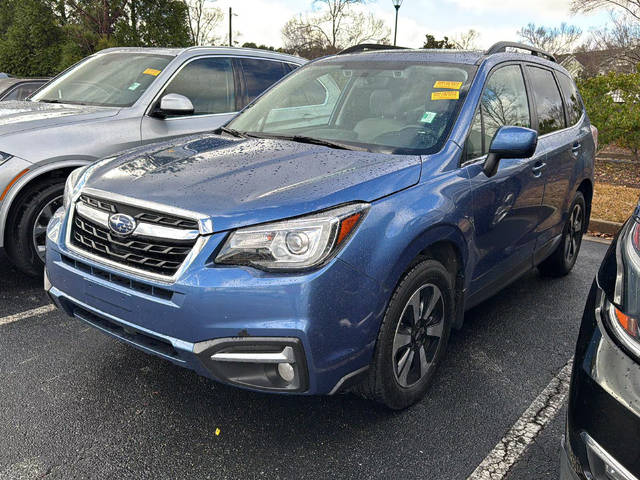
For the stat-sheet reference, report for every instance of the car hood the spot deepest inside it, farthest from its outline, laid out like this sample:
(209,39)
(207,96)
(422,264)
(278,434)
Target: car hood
(19,116)
(238,182)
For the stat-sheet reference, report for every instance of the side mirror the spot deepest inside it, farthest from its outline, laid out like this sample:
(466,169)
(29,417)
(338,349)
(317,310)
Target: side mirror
(510,142)
(174,104)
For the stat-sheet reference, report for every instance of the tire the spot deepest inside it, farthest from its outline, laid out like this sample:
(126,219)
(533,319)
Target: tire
(562,260)
(389,382)
(37,204)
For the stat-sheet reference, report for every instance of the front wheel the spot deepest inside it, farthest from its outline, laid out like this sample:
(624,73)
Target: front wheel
(564,257)
(413,337)
(27,227)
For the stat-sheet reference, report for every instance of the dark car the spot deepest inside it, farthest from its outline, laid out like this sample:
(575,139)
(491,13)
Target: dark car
(602,440)
(12,88)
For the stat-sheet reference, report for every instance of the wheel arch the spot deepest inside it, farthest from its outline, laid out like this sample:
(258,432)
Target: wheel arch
(586,187)
(445,243)
(42,173)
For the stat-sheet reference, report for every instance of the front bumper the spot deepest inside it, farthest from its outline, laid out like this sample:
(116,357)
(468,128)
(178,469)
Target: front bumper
(331,315)
(603,415)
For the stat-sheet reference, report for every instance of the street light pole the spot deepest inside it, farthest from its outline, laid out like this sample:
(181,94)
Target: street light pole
(230,39)
(396,4)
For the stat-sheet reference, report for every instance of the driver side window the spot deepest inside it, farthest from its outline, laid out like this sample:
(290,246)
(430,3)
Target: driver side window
(503,102)
(208,83)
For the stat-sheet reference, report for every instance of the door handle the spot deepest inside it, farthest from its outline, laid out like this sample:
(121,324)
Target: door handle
(537,169)
(576,148)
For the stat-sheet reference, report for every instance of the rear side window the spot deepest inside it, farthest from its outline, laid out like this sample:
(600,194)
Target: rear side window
(208,83)
(504,102)
(22,91)
(571,99)
(547,99)
(261,74)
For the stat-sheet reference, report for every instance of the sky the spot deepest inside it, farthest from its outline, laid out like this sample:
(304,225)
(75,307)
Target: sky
(261,21)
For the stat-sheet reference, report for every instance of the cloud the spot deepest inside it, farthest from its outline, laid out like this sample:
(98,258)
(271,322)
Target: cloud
(549,8)
(258,21)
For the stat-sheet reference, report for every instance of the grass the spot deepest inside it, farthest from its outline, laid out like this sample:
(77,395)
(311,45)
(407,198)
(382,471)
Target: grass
(614,202)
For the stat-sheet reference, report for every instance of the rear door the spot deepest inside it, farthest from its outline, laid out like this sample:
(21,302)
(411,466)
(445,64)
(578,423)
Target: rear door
(210,83)
(506,206)
(561,146)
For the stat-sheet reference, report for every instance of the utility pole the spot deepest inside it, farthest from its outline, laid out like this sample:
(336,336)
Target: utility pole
(230,39)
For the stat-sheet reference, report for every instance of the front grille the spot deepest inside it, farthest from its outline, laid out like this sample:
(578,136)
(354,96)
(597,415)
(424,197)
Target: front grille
(157,345)
(158,256)
(145,288)
(140,214)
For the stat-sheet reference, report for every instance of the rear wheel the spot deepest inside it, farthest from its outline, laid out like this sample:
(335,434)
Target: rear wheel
(413,337)
(564,257)
(27,226)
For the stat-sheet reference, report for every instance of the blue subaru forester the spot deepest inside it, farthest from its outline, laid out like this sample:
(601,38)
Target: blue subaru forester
(331,235)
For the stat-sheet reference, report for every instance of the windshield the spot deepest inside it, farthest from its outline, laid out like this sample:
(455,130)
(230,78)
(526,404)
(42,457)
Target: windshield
(395,107)
(110,80)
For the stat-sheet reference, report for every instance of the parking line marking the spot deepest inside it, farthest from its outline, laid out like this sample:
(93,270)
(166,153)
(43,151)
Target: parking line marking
(542,411)
(34,312)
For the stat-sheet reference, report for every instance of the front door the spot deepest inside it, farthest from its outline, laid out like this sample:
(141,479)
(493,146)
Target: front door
(507,206)
(209,82)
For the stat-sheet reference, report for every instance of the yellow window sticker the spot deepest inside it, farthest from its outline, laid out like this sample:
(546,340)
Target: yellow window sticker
(152,71)
(449,85)
(452,95)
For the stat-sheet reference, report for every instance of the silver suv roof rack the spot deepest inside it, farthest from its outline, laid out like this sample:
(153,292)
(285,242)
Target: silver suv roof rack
(363,47)
(502,47)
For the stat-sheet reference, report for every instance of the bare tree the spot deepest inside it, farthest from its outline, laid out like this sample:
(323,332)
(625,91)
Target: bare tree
(203,19)
(621,40)
(555,40)
(626,7)
(335,24)
(467,40)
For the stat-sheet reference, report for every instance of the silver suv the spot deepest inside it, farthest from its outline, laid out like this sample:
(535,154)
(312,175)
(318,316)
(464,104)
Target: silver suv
(112,101)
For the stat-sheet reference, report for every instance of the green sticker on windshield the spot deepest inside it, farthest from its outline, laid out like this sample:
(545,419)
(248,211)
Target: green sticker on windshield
(134,85)
(428,117)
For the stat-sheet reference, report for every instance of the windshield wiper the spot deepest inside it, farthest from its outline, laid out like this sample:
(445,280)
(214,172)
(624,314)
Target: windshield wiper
(232,132)
(320,141)
(68,102)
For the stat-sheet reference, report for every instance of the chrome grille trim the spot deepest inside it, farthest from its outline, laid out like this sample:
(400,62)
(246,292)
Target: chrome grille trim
(196,245)
(205,225)
(101,217)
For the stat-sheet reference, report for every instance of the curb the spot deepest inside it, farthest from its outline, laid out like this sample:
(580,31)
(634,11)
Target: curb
(604,226)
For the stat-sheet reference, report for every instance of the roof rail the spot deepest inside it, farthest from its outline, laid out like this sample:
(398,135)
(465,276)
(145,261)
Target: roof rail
(363,47)
(502,47)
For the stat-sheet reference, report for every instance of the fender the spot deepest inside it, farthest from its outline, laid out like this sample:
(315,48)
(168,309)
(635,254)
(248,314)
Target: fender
(431,236)
(30,176)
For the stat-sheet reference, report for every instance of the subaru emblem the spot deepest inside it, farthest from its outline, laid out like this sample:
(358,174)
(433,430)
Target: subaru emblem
(122,224)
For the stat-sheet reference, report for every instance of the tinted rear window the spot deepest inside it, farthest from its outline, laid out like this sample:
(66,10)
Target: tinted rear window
(547,99)
(572,99)
(261,74)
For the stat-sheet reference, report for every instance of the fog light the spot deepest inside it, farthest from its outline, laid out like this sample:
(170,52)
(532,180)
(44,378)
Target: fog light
(286,371)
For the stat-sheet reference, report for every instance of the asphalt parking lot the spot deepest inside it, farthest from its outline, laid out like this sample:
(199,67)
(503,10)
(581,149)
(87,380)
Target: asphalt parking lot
(76,404)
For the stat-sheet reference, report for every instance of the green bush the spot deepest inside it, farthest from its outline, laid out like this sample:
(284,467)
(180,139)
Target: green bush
(613,105)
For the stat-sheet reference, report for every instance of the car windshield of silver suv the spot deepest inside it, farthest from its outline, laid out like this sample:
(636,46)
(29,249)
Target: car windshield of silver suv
(112,80)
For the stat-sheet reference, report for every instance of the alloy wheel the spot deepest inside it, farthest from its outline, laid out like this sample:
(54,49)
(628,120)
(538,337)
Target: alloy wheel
(574,234)
(418,335)
(39,235)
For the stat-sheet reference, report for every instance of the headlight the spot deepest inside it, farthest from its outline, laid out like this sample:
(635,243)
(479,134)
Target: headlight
(78,178)
(70,185)
(294,244)
(625,324)
(4,157)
